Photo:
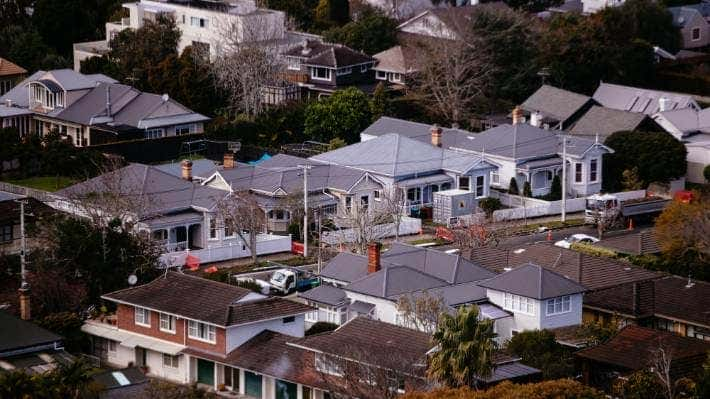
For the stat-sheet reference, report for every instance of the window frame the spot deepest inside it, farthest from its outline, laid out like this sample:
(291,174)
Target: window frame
(145,316)
(173,361)
(468,183)
(692,34)
(482,186)
(315,76)
(208,329)
(578,172)
(558,302)
(6,233)
(381,75)
(171,320)
(518,303)
(593,170)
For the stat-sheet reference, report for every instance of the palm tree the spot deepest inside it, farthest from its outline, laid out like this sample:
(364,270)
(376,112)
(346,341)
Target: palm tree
(465,348)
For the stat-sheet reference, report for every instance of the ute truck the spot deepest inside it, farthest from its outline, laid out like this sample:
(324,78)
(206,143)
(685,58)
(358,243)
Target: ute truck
(609,207)
(287,280)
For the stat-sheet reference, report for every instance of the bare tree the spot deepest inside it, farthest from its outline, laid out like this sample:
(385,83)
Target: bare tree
(247,59)
(393,204)
(241,214)
(477,235)
(661,368)
(421,310)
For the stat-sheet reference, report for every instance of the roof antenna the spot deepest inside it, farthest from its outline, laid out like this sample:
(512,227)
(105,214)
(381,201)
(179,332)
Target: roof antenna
(596,138)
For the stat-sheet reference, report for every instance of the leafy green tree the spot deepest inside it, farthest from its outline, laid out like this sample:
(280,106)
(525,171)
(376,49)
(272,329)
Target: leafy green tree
(372,32)
(465,348)
(539,349)
(66,381)
(702,387)
(68,325)
(513,186)
(344,114)
(706,173)
(533,5)
(562,388)
(556,188)
(657,156)
(641,384)
(379,104)
(24,46)
(301,11)
(62,23)
(330,13)
(490,205)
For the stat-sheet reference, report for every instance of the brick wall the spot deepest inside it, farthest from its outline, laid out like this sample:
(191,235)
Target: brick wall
(126,321)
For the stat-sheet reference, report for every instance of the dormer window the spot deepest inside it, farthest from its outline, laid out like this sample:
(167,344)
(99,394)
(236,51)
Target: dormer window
(46,94)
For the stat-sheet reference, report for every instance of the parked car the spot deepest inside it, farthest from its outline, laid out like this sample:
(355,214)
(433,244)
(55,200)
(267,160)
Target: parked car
(568,241)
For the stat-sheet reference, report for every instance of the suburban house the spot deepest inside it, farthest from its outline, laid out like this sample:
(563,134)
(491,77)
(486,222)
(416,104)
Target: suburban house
(636,348)
(692,127)
(603,122)
(176,326)
(525,298)
(95,109)
(322,68)
(555,107)
(443,22)
(178,213)
(10,75)
(397,65)
(418,169)
(26,346)
(634,99)
(406,9)
(203,24)
(692,20)
(670,303)
(528,153)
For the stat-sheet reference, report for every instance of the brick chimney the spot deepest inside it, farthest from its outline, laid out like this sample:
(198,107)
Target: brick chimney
(436,135)
(518,116)
(187,170)
(25,313)
(228,162)
(373,257)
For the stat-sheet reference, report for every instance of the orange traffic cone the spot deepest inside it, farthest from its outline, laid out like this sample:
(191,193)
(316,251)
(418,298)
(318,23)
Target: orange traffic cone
(631,224)
(549,235)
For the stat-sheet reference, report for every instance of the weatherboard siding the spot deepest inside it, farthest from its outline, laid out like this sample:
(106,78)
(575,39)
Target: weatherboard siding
(238,335)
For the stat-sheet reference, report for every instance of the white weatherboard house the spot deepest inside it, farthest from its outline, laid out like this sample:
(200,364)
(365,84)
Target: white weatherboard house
(520,150)
(177,212)
(526,298)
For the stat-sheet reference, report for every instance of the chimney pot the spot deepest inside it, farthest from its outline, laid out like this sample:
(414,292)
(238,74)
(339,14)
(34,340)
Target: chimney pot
(187,170)
(25,313)
(518,115)
(436,133)
(373,257)
(228,162)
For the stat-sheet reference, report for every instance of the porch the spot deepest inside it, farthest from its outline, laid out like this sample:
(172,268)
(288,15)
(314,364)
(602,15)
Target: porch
(178,232)
(419,192)
(539,174)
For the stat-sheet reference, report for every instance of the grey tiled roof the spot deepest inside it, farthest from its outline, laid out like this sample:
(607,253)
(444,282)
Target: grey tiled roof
(634,99)
(326,294)
(200,168)
(684,14)
(399,59)
(17,334)
(346,267)
(533,281)
(318,53)
(556,103)
(605,121)
(392,281)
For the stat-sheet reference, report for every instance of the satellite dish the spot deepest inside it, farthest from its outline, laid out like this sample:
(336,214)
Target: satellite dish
(132,279)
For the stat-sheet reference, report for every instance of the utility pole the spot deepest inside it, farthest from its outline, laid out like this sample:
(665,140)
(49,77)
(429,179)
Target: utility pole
(305,208)
(564,178)
(320,242)
(24,286)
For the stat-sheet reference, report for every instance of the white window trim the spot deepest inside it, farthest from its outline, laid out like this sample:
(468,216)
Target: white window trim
(595,170)
(363,68)
(483,186)
(198,338)
(174,361)
(581,173)
(520,300)
(170,317)
(381,75)
(146,315)
(314,77)
(699,34)
(108,346)
(554,301)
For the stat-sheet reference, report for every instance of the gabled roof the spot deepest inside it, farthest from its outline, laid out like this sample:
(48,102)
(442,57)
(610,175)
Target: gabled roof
(373,342)
(205,300)
(394,280)
(533,281)
(317,53)
(634,348)
(154,191)
(606,121)
(634,99)
(8,68)
(593,272)
(398,59)
(687,120)
(686,13)
(555,103)
(21,336)
(326,294)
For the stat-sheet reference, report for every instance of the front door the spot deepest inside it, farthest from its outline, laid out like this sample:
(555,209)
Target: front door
(252,384)
(141,357)
(205,372)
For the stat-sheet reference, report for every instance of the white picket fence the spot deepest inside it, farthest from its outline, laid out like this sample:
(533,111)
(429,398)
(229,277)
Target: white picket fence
(522,207)
(407,226)
(266,244)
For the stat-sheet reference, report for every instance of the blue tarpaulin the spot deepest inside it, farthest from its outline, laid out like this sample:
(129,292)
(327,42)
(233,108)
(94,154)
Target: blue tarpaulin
(260,160)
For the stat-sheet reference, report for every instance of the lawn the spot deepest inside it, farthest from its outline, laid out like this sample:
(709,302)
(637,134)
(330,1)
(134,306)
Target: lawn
(45,183)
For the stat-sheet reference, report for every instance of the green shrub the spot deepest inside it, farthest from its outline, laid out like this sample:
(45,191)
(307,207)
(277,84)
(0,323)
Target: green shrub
(555,189)
(706,173)
(490,205)
(527,190)
(593,250)
(513,187)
